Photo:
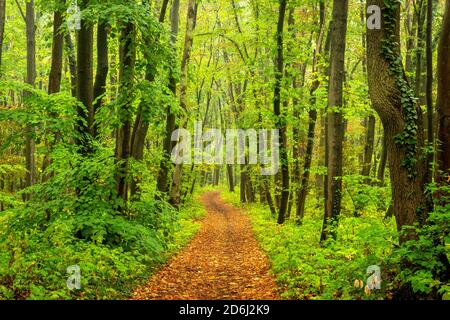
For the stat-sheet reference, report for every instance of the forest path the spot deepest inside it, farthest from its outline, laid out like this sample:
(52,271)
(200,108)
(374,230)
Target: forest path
(222,262)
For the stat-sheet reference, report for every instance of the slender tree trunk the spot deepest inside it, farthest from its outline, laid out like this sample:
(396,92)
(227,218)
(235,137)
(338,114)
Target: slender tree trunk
(369,145)
(84,84)
(70,49)
(443,99)
(2,30)
(175,192)
(281,116)
(141,126)
(164,169)
(30,162)
(394,102)
(54,84)
(420,50)
(304,180)
(102,70)
(411,28)
(429,88)
(126,78)
(383,160)
(335,126)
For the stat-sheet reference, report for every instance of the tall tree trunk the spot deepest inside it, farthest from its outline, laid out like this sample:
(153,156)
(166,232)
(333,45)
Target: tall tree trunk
(281,115)
(70,51)
(164,168)
(429,88)
(304,181)
(369,145)
(175,192)
(371,122)
(54,83)
(2,30)
(141,125)
(126,78)
(85,83)
(418,82)
(443,99)
(394,101)
(30,162)
(411,28)
(335,126)
(102,70)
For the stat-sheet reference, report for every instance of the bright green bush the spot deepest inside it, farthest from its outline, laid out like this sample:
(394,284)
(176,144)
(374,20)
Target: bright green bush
(73,219)
(307,270)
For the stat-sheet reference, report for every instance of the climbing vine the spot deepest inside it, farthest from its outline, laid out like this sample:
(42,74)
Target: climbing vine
(407,139)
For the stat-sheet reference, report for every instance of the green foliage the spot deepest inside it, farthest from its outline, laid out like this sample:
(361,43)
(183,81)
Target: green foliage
(73,220)
(423,261)
(307,270)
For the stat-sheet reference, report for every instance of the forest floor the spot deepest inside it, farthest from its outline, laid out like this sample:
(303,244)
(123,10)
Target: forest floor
(222,262)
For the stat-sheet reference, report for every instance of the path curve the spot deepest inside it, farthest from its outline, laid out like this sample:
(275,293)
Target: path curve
(222,262)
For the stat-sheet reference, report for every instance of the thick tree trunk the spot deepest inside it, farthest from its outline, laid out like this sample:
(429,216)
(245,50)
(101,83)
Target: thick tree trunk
(335,126)
(394,102)
(281,116)
(443,99)
(102,70)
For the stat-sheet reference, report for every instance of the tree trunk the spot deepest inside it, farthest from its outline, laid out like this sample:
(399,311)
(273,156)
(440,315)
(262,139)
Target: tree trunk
(304,180)
(429,89)
(383,160)
(164,168)
(443,99)
(141,126)
(72,63)
(2,29)
(369,145)
(30,163)
(54,84)
(335,126)
(126,78)
(394,101)
(419,50)
(84,84)
(102,70)
(175,192)
(281,116)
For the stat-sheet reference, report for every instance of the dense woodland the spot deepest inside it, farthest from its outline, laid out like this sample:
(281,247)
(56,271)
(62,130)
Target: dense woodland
(92,90)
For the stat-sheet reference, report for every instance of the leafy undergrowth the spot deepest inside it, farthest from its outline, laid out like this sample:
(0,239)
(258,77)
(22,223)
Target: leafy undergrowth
(307,270)
(115,253)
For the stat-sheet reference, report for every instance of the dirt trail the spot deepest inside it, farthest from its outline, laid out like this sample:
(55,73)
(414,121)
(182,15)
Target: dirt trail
(223,261)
